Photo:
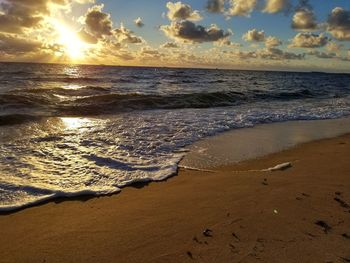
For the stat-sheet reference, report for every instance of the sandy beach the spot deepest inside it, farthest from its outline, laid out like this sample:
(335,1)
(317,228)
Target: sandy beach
(212,131)
(235,213)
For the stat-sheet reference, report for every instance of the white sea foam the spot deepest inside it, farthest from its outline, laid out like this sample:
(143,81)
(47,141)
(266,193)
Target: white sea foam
(63,157)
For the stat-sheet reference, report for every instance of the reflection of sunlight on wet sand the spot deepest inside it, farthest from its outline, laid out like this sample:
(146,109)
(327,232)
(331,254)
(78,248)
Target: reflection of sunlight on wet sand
(75,123)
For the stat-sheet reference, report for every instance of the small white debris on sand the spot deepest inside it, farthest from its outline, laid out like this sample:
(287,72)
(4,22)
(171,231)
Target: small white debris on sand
(278,167)
(196,169)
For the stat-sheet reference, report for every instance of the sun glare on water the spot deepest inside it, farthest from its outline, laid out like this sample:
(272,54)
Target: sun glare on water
(75,123)
(73,46)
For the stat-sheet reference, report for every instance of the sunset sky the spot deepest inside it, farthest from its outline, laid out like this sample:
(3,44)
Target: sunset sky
(239,34)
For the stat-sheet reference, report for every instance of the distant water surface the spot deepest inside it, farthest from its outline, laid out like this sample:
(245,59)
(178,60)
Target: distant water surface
(69,130)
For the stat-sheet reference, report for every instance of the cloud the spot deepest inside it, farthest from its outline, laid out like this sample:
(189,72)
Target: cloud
(259,36)
(242,55)
(99,25)
(322,55)
(339,24)
(180,11)
(216,6)
(272,42)
(278,54)
(267,54)
(125,35)
(304,20)
(333,46)
(170,45)
(138,22)
(18,16)
(87,37)
(227,43)
(308,40)
(276,6)
(241,7)
(97,22)
(12,44)
(124,55)
(85,1)
(148,53)
(187,31)
(254,36)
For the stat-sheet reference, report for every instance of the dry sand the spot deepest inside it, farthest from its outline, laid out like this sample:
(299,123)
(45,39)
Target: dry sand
(301,214)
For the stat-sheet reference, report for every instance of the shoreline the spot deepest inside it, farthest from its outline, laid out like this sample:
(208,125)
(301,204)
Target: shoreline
(229,148)
(237,214)
(244,144)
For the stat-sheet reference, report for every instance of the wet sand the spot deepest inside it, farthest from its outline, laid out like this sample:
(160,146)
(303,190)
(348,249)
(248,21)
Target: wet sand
(233,214)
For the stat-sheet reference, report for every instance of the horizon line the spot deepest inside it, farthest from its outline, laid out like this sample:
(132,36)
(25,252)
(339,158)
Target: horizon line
(177,67)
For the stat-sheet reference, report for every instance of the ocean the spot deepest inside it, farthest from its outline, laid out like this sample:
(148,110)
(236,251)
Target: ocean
(70,130)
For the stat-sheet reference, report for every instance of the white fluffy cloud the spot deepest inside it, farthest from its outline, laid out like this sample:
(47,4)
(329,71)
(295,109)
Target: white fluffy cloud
(272,42)
(241,7)
(308,40)
(180,11)
(254,36)
(304,20)
(275,6)
(138,22)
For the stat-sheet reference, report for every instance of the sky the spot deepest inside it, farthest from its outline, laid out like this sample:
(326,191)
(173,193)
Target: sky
(295,35)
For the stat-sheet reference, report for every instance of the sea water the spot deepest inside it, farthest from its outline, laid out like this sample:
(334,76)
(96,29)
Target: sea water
(68,130)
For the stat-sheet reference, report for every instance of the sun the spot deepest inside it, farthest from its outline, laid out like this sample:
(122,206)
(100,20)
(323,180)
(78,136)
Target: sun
(73,46)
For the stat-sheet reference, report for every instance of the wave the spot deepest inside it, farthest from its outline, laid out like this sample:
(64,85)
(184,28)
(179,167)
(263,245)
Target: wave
(79,91)
(81,102)
(65,79)
(12,119)
(41,195)
(27,100)
(107,103)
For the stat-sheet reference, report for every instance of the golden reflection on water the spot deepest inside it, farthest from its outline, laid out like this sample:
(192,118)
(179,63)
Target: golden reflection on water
(72,70)
(71,123)
(72,87)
